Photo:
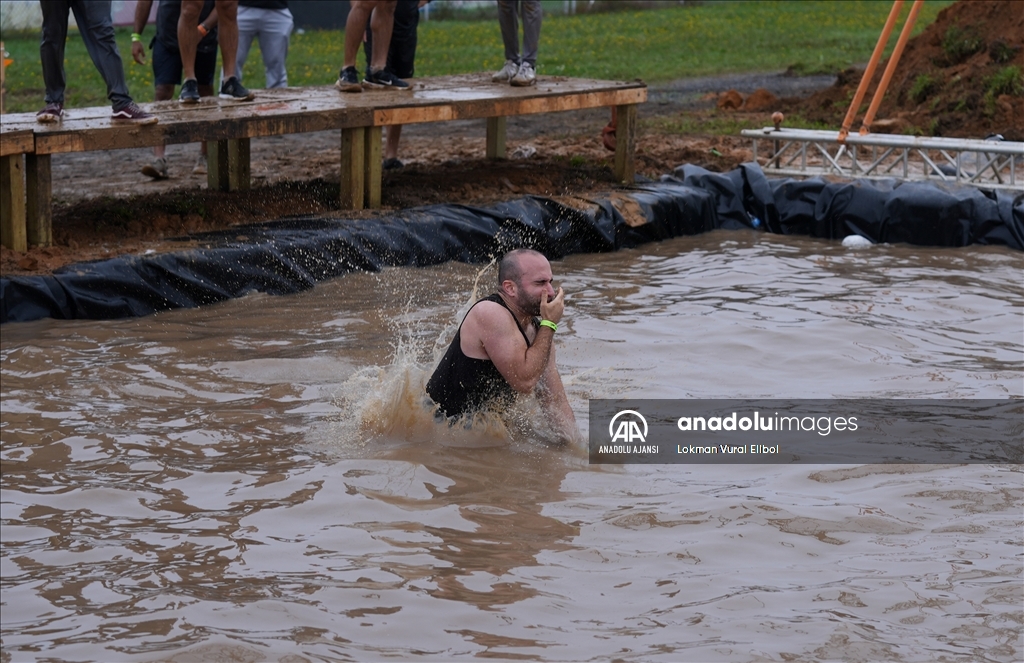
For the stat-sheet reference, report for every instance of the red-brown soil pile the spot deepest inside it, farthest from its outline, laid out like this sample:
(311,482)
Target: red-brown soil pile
(963,76)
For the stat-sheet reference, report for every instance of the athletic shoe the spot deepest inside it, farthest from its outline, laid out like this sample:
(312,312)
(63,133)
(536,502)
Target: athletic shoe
(384,79)
(392,164)
(132,113)
(507,72)
(189,91)
(157,169)
(53,112)
(348,80)
(200,167)
(233,89)
(525,77)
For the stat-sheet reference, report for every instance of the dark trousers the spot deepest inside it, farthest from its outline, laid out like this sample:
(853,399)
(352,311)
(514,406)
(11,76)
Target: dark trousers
(97,29)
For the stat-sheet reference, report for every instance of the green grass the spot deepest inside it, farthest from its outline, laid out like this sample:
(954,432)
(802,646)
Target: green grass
(656,45)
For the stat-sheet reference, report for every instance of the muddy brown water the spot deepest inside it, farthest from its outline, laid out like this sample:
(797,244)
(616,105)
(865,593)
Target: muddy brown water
(257,480)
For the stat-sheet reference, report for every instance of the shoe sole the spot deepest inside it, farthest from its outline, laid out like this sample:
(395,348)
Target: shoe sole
(384,86)
(248,97)
(48,119)
(348,87)
(150,171)
(188,100)
(515,83)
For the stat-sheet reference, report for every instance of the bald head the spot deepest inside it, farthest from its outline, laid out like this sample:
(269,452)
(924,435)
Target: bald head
(511,266)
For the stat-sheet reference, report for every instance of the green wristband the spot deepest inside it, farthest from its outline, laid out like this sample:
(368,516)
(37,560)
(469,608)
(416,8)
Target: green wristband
(548,323)
(136,36)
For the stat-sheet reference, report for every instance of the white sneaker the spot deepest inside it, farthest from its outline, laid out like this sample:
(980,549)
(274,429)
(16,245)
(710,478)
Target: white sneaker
(525,77)
(507,72)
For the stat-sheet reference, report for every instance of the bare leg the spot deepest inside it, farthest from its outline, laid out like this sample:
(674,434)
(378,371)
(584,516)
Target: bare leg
(382,22)
(394,134)
(227,34)
(355,25)
(188,35)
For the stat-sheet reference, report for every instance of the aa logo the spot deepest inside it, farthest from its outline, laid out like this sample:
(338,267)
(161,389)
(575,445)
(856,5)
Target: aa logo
(628,429)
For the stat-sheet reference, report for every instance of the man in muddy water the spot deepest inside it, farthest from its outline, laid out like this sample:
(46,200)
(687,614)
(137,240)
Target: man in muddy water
(503,348)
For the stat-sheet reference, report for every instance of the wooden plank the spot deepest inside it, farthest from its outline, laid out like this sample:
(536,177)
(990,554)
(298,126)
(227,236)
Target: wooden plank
(17,142)
(496,132)
(39,200)
(238,165)
(413,115)
(217,177)
(625,143)
(353,154)
(373,164)
(12,203)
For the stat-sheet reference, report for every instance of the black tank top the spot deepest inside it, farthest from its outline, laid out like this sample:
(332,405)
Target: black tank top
(463,384)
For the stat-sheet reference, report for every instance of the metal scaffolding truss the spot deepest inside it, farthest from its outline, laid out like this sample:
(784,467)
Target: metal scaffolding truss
(982,163)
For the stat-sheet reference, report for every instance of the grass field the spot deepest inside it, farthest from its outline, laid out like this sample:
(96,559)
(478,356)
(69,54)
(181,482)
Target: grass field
(655,45)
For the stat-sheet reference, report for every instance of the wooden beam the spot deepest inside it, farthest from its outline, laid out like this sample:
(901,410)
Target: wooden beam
(625,143)
(496,127)
(217,177)
(353,170)
(17,141)
(39,200)
(238,165)
(12,203)
(372,162)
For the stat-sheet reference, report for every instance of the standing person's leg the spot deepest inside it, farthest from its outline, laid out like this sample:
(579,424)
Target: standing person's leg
(188,36)
(166,75)
(248,21)
(275,34)
(382,22)
(532,13)
(51,57)
(509,24)
(227,36)
(227,33)
(401,63)
(508,20)
(355,26)
(96,26)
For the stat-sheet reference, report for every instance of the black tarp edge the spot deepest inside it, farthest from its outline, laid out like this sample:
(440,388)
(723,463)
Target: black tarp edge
(293,254)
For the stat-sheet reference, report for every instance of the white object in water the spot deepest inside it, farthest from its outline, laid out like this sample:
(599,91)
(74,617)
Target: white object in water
(856,242)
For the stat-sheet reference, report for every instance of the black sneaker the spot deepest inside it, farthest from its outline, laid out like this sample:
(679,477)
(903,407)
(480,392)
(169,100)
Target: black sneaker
(392,164)
(132,113)
(53,112)
(189,92)
(232,89)
(348,80)
(384,79)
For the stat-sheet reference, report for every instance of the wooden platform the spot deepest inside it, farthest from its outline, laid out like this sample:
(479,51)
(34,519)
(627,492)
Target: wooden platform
(26,146)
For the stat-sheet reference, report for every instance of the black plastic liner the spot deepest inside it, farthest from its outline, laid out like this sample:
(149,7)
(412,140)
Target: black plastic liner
(294,254)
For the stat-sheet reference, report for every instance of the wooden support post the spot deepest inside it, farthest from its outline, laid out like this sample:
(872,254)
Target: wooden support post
(217,178)
(39,200)
(353,171)
(372,162)
(238,165)
(625,143)
(496,131)
(12,202)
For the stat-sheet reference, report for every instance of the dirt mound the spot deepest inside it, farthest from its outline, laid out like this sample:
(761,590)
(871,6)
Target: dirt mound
(963,76)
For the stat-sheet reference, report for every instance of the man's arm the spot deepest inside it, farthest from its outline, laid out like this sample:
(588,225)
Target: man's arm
(490,331)
(141,17)
(556,404)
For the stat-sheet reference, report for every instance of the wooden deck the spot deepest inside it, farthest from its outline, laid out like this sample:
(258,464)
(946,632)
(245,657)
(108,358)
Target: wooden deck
(26,146)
